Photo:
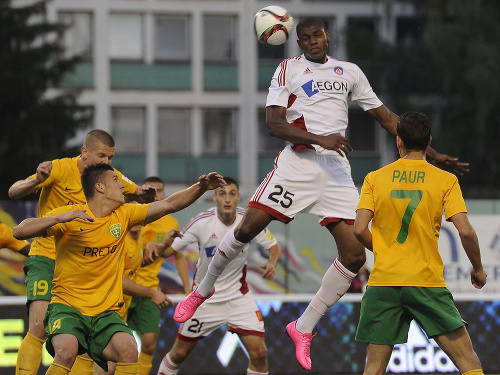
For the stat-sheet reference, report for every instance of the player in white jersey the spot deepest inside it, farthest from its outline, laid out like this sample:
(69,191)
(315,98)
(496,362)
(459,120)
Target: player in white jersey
(307,106)
(233,303)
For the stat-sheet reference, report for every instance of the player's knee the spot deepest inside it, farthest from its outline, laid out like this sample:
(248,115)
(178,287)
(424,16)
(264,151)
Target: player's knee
(128,353)
(353,260)
(38,330)
(148,348)
(66,355)
(258,354)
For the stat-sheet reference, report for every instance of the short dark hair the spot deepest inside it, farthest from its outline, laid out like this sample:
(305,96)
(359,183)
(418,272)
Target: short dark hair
(154,179)
(414,129)
(308,22)
(230,180)
(98,135)
(91,176)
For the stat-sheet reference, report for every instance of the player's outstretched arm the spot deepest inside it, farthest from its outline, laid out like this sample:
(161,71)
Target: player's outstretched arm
(389,122)
(37,226)
(184,198)
(22,188)
(135,290)
(153,249)
(447,163)
(470,244)
(270,267)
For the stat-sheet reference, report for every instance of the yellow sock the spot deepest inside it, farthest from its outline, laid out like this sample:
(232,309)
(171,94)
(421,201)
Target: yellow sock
(145,363)
(82,366)
(127,368)
(29,355)
(474,372)
(57,369)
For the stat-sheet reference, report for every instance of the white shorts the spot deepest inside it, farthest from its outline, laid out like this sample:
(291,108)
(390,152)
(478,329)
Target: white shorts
(307,182)
(241,315)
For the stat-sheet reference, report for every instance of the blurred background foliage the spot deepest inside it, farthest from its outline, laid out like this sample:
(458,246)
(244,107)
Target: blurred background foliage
(449,59)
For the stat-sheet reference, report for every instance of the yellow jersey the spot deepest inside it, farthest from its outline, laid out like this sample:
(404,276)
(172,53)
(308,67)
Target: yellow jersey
(133,261)
(155,231)
(89,261)
(8,240)
(63,188)
(408,198)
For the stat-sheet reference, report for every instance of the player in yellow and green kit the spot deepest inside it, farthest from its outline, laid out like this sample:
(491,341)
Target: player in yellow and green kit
(143,315)
(59,184)
(404,201)
(131,264)
(8,241)
(88,274)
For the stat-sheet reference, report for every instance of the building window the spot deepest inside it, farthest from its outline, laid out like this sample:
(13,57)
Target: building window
(173,131)
(78,36)
(362,132)
(268,146)
(219,131)
(172,38)
(409,30)
(128,127)
(219,38)
(126,37)
(362,38)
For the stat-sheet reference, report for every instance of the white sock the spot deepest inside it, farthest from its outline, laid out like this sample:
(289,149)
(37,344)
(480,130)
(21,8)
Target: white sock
(252,372)
(228,249)
(335,283)
(168,367)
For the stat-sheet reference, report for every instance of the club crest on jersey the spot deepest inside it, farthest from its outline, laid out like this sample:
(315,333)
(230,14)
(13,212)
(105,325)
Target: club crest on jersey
(115,230)
(338,70)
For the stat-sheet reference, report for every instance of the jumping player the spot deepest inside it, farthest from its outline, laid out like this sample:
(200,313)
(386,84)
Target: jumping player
(307,106)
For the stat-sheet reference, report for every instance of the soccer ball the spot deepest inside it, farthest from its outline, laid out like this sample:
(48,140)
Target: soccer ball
(273,25)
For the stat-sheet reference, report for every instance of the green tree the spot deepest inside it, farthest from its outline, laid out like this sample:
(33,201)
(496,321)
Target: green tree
(457,61)
(37,118)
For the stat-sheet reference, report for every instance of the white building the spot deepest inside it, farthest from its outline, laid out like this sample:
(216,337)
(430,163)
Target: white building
(181,84)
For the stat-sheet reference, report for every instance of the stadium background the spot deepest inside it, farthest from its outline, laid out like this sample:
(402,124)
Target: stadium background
(307,252)
(167,106)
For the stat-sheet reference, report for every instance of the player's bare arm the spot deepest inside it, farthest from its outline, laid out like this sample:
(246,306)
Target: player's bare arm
(447,163)
(154,250)
(470,244)
(280,128)
(133,289)
(389,122)
(25,250)
(146,193)
(184,198)
(22,188)
(270,267)
(361,229)
(36,227)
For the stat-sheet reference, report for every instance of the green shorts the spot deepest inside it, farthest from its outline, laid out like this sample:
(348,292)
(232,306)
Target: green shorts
(39,272)
(143,316)
(93,333)
(387,311)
